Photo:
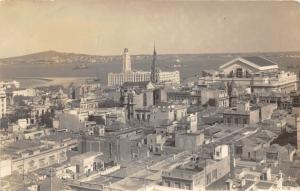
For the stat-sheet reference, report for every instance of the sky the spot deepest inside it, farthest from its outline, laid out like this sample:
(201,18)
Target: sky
(106,27)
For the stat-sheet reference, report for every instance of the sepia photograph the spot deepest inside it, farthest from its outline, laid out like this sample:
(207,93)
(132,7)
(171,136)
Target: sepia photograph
(149,95)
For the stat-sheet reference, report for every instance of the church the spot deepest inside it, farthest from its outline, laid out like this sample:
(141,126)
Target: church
(156,76)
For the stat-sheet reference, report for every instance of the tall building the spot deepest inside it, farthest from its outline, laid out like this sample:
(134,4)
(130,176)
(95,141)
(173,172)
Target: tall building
(126,61)
(2,104)
(155,75)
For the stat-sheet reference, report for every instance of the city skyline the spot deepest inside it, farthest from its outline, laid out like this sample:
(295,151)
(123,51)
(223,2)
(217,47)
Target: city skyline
(105,28)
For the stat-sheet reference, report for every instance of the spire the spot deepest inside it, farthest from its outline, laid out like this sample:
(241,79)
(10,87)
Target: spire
(154,68)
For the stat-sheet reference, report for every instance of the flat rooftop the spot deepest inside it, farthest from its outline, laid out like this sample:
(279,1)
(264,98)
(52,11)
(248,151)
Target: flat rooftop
(87,155)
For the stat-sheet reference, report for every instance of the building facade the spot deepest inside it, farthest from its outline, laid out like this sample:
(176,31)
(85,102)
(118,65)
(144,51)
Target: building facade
(256,72)
(2,104)
(116,79)
(155,75)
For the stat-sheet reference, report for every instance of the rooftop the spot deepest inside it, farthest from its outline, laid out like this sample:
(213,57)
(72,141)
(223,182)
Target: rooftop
(260,61)
(88,154)
(140,84)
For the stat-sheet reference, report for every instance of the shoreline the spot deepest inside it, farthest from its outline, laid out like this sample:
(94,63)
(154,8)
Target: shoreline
(34,82)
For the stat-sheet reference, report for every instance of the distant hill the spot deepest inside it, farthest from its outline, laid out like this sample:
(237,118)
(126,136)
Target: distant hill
(54,57)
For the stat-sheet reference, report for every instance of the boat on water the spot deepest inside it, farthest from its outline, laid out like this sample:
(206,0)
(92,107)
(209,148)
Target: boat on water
(177,64)
(80,67)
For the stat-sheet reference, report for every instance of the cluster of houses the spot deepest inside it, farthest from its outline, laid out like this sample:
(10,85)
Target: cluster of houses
(231,129)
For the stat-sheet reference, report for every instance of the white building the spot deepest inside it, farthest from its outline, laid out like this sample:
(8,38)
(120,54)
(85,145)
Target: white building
(256,72)
(2,103)
(27,92)
(172,77)
(115,79)
(87,162)
(10,84)
(127,75)
(126,61)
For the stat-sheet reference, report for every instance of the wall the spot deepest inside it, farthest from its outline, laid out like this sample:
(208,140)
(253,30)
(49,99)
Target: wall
(267,110)
(188,141)
(5,167)
(254,117)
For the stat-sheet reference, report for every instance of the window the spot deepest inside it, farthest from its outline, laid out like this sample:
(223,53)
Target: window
(168,183)
(177,184)
(208,179)
(236,121)
(144,99)
(188,186)
(272,156)
(228,120)
(239,72)
(215,174)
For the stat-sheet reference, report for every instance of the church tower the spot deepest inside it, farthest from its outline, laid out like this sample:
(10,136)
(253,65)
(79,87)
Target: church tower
(154,69)
(126,61)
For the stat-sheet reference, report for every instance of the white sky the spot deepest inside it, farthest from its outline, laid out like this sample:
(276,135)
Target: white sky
(106,27)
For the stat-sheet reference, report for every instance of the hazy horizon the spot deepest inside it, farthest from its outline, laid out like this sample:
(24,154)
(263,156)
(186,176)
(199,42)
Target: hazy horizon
(177,27)
(151,53)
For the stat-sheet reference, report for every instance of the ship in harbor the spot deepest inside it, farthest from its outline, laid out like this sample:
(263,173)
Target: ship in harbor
(80,67)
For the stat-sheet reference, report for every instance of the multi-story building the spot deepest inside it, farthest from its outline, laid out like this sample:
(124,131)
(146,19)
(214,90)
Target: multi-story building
(256,72)
(126,61)
(171,77)
(127,75)
(26,92)
(187,97)
(160,114)
(214,97)
(245,114)
(10,84)
(30,155)
(198,174)
(2,103)
(115,79)
(87,162)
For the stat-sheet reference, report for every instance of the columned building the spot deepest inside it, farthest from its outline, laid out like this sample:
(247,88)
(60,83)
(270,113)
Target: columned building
(258,73)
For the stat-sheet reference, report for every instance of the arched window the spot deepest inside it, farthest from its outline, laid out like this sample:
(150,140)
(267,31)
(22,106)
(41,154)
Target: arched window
(144,99)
